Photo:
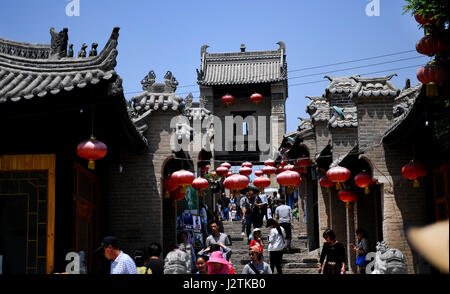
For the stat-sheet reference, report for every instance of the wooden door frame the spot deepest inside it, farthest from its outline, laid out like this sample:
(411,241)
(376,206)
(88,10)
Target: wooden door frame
(38,162)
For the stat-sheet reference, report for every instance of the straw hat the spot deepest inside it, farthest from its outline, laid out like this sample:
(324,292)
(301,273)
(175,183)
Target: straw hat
(432,243)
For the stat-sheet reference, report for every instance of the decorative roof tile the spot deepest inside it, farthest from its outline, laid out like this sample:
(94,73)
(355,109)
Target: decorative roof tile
(341,85)
(379,86)
(318,108)
(32,74)
(242,67)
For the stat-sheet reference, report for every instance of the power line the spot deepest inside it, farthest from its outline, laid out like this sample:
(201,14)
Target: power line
(351,61)
(320,66)
(356,67)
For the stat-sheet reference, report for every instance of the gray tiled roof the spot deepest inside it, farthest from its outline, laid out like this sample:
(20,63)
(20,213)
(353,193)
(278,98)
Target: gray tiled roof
(31,74)
(350,118)
(243,67)
(379,86)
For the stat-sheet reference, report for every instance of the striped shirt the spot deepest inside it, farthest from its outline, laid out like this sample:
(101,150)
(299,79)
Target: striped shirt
(123,264)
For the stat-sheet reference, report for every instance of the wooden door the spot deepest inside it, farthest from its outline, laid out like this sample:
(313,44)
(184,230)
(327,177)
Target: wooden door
(86,212)
(27,213)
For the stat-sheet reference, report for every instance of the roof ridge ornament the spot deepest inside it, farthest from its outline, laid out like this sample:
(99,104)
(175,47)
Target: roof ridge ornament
(170,82)
(148,81)
(58,43)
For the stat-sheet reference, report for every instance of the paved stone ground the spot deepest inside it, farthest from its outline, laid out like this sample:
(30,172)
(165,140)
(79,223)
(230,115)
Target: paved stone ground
(300,261)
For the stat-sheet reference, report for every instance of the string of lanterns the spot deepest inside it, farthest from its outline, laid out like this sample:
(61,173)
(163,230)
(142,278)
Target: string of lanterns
(431,44)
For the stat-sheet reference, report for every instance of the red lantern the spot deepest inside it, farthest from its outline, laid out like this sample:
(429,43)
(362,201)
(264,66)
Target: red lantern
(200,184)
(324,182)
(236,183)
(261,183)
(338,175)
(364,180)
(283,163)
(289,179)
(169,186)
(430,45)
(247,164)
(288,167)
(229,174)
(269,170)
(304,163)
(245,171)
(222,171)
(183,178)
(414,171)
(92,150)
(256,98)
(347,196)
(177,195)
(431,75)
(258,173)
(226,164)
(227,99)
(423,19)
(269,162)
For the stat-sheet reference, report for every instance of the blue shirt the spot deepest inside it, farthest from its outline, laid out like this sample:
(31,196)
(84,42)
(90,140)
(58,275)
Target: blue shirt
(123,264)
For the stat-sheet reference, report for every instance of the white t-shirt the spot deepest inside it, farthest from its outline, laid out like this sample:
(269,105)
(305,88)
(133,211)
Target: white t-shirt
(276,242)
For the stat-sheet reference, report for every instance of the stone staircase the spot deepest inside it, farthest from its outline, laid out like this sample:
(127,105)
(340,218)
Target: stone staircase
(299,261)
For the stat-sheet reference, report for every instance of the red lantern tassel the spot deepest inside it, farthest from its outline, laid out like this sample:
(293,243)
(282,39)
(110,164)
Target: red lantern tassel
(432,90)
(367,190)
(338,186)
(416,184)
(347,204)
(91,164)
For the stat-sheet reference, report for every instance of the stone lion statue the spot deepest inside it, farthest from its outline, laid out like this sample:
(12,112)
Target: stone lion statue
(389,260)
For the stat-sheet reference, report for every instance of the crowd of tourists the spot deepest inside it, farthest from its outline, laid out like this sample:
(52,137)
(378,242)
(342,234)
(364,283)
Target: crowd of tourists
(216,255)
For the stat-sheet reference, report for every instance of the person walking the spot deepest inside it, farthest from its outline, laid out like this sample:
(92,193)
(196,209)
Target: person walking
(204,219)
(334,252)
(223,206)
(121,263)
(139,260)
(256,265)
(183,239)
(200,264)
(155,265)
(179,260)
(361,250)
(276,245)
(256,239)
(216,236)
(247,203)
(257,215)
(283,215)
(244,204)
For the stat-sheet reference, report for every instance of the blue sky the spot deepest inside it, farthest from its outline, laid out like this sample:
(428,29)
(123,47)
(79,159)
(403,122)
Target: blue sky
(167,35)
